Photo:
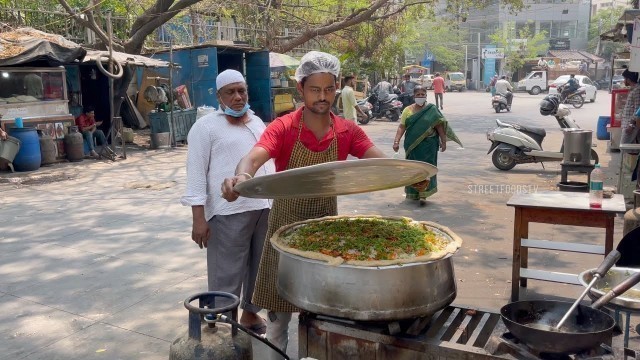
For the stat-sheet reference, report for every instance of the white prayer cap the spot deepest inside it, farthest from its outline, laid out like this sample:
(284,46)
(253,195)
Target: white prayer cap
(315,62)
(228,77)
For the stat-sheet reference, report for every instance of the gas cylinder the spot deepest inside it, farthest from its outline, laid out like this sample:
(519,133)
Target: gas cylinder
(632,217)
(211,339)
(74,145)
(48,150)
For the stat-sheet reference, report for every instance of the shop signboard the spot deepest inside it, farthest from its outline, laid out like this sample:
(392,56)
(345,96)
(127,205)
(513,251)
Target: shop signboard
(559,44)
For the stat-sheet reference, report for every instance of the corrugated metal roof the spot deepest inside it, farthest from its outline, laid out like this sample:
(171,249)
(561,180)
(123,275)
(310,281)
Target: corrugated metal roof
(575,55)
(125,59)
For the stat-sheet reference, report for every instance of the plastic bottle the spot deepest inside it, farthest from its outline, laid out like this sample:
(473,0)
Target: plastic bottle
(596,188)
(396,155)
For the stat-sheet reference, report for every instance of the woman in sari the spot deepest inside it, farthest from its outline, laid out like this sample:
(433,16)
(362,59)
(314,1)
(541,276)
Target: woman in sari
(426,131)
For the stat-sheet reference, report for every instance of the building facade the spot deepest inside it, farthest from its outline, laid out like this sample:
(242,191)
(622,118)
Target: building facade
(597,5)
(559,19)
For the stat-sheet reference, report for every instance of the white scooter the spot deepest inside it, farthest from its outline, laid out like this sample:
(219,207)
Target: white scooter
(517,144)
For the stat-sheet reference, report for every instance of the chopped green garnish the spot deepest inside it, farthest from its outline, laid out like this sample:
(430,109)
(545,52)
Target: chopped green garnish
(365,239)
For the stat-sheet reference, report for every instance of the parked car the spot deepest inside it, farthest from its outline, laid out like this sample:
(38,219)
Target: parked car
(427,81)
(455,81)
(584,81)
(617,83)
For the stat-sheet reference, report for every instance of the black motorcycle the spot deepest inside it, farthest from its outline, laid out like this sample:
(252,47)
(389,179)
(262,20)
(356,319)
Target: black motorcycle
(575,98)
(390,109)
(405,98)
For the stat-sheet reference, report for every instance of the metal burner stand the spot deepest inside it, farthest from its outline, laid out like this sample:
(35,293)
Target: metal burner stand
(453,333)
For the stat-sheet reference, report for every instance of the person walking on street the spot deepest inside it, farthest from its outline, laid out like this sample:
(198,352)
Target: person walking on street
(426,131)
(350,106)
(232,233)
(309,136)
(438,90)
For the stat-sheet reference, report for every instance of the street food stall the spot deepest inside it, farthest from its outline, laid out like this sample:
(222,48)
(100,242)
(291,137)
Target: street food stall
(284,94)
(393,303)
(623,32)
(33,84)
(416,72)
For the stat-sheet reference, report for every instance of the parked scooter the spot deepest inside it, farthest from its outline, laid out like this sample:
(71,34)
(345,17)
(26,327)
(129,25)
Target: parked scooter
(517,144)
(499,102)
(576,98)
(366,107)
(390,109)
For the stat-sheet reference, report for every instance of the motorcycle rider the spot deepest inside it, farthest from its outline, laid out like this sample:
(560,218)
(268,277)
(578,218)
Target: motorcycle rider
(406,89)
(382,90)
(569,87)
(504,88)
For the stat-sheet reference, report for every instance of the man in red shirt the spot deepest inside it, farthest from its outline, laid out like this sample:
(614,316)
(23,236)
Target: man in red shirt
(438,89)
(309,136)
(87,125)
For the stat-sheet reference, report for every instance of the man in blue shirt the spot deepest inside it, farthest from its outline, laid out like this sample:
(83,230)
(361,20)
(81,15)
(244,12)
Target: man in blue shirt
(570,86)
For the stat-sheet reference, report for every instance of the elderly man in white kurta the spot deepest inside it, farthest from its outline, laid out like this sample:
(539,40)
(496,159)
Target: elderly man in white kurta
(232,232)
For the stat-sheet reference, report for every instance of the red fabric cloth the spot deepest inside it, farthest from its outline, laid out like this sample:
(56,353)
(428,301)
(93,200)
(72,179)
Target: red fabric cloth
(438,85)
(83,122)
(280,136)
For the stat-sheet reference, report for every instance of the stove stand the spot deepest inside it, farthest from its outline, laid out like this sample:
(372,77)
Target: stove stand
(453,333)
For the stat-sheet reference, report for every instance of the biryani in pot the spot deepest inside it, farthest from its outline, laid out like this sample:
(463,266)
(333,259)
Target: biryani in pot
(367,240)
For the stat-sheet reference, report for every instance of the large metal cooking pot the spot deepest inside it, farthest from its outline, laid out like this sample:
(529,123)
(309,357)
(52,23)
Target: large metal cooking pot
(630,299)
(362,293)
(366,293)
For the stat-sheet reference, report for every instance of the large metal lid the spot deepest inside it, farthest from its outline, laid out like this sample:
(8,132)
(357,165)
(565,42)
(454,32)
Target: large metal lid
(337,178)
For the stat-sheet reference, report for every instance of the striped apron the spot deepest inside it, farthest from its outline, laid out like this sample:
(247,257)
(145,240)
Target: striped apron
(285,212)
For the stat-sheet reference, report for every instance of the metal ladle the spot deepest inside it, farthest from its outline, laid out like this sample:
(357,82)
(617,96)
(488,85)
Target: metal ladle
(606,264)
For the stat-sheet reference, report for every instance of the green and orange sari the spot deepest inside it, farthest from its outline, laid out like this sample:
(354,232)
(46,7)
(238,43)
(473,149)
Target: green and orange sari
(422,143)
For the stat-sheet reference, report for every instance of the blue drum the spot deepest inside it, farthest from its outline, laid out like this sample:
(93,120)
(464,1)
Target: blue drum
(28,157)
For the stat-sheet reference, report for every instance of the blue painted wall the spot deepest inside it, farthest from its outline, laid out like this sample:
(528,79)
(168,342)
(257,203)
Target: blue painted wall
(259,82)
(199,69)
(204,65)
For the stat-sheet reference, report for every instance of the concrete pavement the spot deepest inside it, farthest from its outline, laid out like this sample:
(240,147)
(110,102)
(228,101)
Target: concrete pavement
(96,257)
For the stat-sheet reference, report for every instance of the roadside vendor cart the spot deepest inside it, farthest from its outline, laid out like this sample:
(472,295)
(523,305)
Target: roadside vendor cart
(623,33)
(39,97)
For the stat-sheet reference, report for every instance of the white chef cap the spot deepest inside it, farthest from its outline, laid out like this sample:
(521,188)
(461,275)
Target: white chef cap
(315,62)
(228,77)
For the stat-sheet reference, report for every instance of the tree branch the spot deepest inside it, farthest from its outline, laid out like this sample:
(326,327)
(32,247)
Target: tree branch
(356,17)
(399,10)
(137,37)
(90,23)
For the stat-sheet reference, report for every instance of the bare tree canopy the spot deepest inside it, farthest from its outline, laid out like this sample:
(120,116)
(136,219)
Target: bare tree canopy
(308,19)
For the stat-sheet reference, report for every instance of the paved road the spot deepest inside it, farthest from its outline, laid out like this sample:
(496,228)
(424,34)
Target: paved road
(96,259)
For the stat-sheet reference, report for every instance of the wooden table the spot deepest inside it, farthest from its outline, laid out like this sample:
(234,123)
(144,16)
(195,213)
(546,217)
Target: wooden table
(561,208)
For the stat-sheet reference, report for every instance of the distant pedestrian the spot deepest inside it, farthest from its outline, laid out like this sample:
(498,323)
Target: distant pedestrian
(232,233)
(438,90)
(350,106)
